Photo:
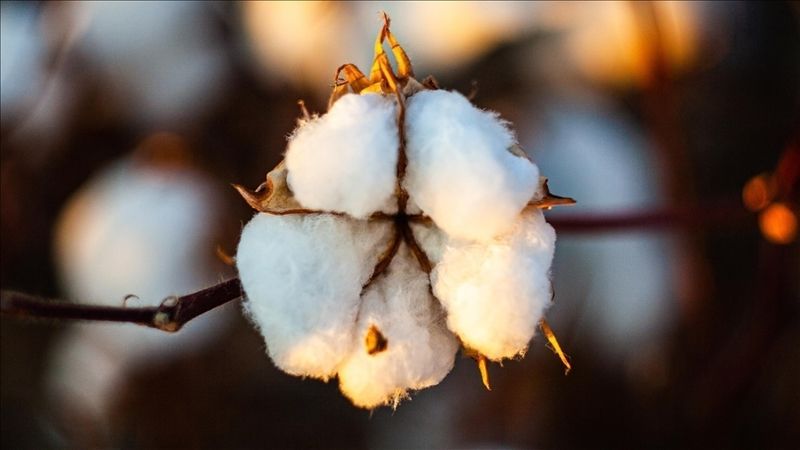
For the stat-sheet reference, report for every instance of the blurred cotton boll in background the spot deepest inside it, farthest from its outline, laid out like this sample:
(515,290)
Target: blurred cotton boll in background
(618,288)
(282,35)
(161,59)
(442,36)
(23,49)
(618,42)
(447,35)
(144,226)
(611,44)
(36,95)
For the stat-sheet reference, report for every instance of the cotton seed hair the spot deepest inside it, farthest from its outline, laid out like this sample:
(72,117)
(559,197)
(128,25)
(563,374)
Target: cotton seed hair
(403,223)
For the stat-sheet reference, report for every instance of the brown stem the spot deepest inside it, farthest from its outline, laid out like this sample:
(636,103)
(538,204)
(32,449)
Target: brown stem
(402,159)
(171,315)
(723,215)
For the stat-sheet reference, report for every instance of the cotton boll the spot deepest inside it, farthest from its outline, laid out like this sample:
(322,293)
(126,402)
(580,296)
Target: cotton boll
(303,276)
(346,160)
(162,60)
(420,350)
(91,363)
(85,371)
(36,93)
(496,292)
(460,170)
(431,239)
(23,52)
(141,229)
(138,229)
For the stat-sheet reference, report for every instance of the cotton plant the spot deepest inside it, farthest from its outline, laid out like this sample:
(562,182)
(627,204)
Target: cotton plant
(403,224)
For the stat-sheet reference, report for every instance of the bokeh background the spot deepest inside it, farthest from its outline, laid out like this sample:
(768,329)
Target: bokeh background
(677,274)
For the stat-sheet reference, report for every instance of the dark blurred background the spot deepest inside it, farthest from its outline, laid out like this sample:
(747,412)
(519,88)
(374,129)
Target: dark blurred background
(677,274)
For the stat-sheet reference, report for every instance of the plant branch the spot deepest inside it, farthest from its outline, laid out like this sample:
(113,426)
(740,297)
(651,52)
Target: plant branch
(172,314)
(720,215)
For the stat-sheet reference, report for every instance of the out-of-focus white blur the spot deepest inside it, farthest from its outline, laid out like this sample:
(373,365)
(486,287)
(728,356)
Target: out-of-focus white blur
(161,58)
(22,49)
(618,287)
(136,228)
(302,43)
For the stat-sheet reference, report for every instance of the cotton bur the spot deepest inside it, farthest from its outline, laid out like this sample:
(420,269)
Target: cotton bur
(403,224)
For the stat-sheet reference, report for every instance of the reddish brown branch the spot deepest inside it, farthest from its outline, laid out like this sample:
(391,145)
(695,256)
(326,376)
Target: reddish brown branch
(723,215)
(171,315)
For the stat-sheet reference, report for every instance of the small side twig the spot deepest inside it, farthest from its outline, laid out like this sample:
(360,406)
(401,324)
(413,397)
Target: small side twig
(172,314)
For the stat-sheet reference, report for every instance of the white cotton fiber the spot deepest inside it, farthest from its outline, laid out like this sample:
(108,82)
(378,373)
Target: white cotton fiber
(346,160)
(496,292)
(430,239)
(420,350)
(460,170)
(302,276)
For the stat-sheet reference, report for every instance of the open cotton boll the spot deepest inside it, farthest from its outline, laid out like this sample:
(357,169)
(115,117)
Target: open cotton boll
(346,160)
(496,292)
(419,349)
(460,170)
(431,240)
(303,277)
